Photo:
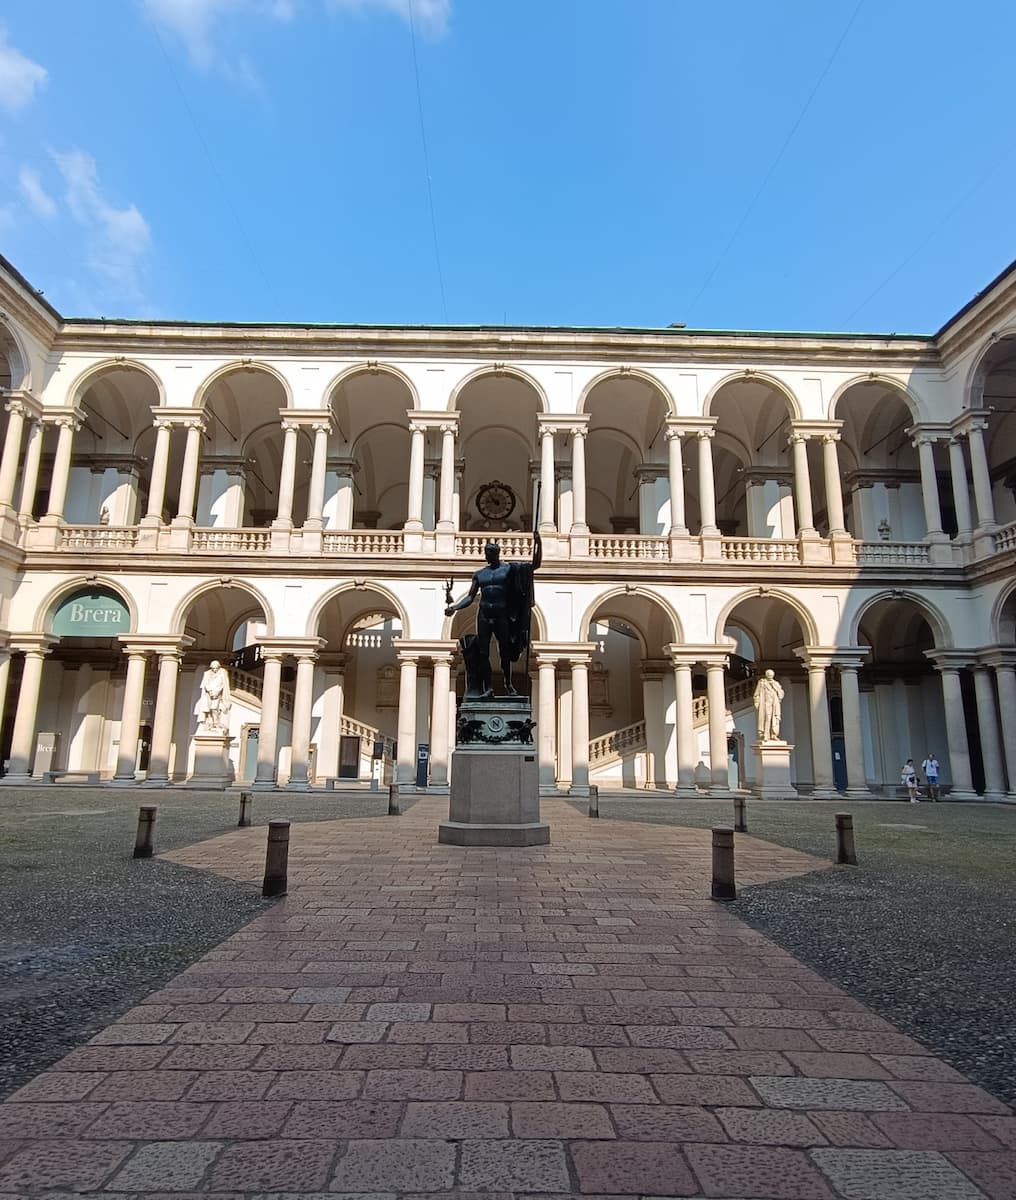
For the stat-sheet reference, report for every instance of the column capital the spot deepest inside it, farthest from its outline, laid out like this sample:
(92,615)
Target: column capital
(417,648)
(63,419)
(686,654)
(433,418)
(973,419)
(815,429)
(288,425)
(951,660)
(849,658)
(692,426)
(563,651)
(23,404)
(38,644)
(927,434)
(567,423)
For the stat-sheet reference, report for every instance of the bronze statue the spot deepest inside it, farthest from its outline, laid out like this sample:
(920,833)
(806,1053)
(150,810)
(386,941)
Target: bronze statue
(506,602)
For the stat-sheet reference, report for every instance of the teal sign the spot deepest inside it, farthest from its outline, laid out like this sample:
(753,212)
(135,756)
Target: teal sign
(93,613)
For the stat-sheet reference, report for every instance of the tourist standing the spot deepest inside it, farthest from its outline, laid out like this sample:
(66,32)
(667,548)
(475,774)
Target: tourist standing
(908,777)
(930,769)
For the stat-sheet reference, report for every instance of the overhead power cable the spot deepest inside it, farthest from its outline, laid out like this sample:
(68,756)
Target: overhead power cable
(426,164)
(777,160)
(249,245)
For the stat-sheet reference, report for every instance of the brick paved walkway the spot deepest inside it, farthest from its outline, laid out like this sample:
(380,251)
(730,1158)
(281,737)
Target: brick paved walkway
(572,1020)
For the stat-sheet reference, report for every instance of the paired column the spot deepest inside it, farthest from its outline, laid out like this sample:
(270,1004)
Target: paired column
(991,745)
(130,716)
(685,727)
(1004,662)
(976,426)
(717,697)
(165,711)
(439,719)
(268,735)
(579,485)
(707,484)
(5,674)
(850,696)
(580,725)
(35,650)
(319,465)
(405,769)
(960,487)
(547,728)
(30,471)
(802,484)
(66,428)
(549,484)
(414,513)
(303,705)
(160,470)
(929,486)
(818,714)
(189,477)
(17,412)
(955,729)
(446,498)
(675,474)
(287,480)
(833,484)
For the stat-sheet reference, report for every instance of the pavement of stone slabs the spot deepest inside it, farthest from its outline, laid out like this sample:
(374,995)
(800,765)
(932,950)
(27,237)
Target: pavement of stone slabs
(571,1020)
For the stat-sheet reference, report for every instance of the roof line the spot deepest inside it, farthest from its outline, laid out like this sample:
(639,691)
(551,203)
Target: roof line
(976,299)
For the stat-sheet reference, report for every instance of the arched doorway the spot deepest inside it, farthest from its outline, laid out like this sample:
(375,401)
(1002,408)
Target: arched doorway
(993,408)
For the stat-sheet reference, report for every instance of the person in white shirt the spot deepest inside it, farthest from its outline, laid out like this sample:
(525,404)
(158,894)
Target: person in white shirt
(930,769)
(908,777)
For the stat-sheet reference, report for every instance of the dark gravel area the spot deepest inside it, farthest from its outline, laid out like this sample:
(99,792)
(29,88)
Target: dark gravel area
(88,931)
(923,930)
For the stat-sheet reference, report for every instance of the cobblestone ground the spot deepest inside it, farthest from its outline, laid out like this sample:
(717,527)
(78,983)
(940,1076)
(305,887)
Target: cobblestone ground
(922,931)
(87,931)
(575,1020)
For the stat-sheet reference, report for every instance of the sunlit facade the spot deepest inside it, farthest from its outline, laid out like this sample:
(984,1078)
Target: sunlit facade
(292,500)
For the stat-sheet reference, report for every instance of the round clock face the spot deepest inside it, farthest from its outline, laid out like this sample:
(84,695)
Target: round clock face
(496,501)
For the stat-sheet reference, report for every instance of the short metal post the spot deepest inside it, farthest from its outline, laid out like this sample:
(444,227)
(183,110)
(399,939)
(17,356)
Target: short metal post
(393,800)
(740,815)
(245,807)
(276,860)
(594,800)
(723,864)
(845,849)
(146,830)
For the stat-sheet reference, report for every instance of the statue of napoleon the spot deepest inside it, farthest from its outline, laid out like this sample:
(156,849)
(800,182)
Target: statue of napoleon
(506,602)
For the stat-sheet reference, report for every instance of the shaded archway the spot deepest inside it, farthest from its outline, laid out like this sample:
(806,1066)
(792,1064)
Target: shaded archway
(993,397)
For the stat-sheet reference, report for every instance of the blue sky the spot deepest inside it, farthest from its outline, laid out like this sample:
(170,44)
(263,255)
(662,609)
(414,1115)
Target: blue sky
(796,165)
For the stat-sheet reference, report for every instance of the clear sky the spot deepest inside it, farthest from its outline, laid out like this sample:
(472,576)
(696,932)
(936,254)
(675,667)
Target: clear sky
(801,164)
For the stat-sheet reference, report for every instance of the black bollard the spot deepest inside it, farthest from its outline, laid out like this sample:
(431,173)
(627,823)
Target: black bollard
(276,860)
(146,830)
(740,815)
(245,807)
(594,800)
(723,865)
(846,852)
(393,800)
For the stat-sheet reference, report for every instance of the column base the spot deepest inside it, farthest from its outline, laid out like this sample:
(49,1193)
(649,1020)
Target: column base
(963,796)
(122,781)
(997,798)
(824,793)
(298,785)
(16,780)
(683,792)
(857,793)
(265,785)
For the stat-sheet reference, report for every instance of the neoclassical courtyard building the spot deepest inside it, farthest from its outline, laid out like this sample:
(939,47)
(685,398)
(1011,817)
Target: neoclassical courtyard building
(292,500)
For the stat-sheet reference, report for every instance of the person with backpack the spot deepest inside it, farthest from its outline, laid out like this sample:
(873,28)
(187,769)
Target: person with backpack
(908,777)
(930,769)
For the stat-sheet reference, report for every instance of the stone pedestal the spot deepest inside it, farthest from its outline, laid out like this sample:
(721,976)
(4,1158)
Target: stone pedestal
(213,767)
(494,798)
(772,771)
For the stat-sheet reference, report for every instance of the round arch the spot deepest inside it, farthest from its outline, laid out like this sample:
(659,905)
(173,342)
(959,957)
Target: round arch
(808,625)
(251,365)
(497,372)
(973,387)
(353,585)
(373,368)
(934,616)
(873,377)
(753,377)
(639,592)
(20,362)
(628,373)
(95,372)
(1003,626)
(183,607)
(43,620)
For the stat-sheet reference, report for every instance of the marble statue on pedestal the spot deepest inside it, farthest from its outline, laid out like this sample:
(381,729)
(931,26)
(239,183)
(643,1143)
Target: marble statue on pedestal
(768,700)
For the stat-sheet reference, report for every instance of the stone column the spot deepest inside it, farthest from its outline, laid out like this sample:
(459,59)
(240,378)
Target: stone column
(303,704)
(850,695)
(654,710)
(991,746)
(580,726)
(30,472)
(17,412)
(685,728)
(160,469)
(821,740)
(345,500)
(405,771)
(439,741)
(802,485)
(66,427)
(833,484)
(981,473)
(130,717)
(316,492)
(446,508)
(547,729)
(268,728)
(675,473)
(1005,678)
(5,673)
(189,476)
(579,486)
(414,512)
(707,486)
(960,488)
(23,739)
(956,734)
(165,710)
(547,479)
(716,693)
(287,478)
(929,487)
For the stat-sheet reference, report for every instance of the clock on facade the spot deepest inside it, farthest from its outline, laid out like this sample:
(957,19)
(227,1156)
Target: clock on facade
(496,501)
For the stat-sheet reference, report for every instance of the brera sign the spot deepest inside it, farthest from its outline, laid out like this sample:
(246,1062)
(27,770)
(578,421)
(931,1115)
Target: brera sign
(91,614)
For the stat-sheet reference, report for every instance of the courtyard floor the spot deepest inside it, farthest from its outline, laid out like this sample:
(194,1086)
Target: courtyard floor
(570,1020)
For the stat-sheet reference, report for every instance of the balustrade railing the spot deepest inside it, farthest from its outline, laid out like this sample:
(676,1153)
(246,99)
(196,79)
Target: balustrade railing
(628,546)
(616,743)
(897,553)
(513,545)
(364,541)
(251,541)
(1005,538)
(772,550)
(99,537)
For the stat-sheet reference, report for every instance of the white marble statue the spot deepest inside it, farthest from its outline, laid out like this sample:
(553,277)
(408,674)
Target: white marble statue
(768,700)
(215,701)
